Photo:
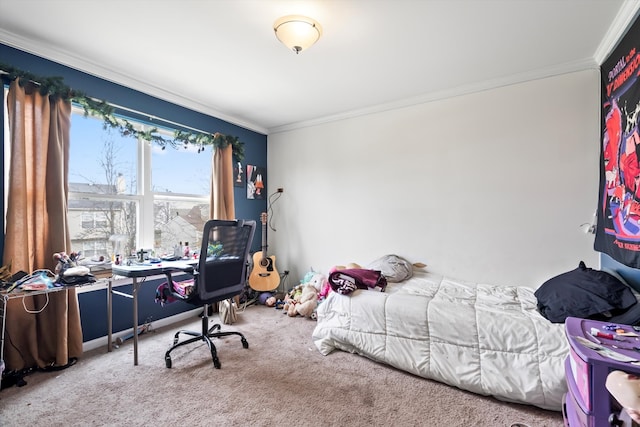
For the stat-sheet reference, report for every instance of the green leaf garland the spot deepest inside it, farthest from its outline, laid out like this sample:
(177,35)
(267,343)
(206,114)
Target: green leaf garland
(55,87)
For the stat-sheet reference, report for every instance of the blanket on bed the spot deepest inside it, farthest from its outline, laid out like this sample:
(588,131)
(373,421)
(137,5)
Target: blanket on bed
(348,280)
(489,340)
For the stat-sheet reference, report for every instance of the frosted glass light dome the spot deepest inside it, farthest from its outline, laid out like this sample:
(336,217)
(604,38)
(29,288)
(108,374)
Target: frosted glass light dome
(297,32)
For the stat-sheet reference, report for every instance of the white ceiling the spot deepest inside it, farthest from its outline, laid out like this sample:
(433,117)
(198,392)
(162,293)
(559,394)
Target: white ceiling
(221,57)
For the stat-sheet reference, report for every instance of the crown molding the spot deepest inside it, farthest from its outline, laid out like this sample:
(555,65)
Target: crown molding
(445,94)
(81,64)
(623,20)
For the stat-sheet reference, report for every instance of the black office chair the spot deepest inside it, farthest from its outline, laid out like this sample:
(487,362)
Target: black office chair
(221,274)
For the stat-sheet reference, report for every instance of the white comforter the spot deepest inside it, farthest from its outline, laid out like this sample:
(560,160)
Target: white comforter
(485,339)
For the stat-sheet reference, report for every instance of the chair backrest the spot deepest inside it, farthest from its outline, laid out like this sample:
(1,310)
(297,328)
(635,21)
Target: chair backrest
(222,266)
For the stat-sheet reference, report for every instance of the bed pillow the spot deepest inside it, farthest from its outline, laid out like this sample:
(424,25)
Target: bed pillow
(393,267)
(584,293)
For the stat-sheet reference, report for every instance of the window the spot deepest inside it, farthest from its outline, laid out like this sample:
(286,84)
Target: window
(126,194)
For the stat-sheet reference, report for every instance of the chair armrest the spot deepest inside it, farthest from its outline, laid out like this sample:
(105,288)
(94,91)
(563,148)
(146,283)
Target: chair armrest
(187,269)
(176,268)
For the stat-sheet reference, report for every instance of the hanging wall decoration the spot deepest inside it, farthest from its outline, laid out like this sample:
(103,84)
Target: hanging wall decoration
(238,175)
(256,182)
(618,214)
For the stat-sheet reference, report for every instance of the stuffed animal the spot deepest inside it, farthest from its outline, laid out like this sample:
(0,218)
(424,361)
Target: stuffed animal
(307,302)
(301,300)
(312,290)
(308,276)
(324,291)
(290,299)
(317,280)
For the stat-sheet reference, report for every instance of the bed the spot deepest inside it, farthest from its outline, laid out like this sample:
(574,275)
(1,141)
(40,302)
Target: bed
(485,339)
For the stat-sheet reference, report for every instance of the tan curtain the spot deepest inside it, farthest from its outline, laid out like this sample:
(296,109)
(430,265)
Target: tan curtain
(222,202)
(36,228)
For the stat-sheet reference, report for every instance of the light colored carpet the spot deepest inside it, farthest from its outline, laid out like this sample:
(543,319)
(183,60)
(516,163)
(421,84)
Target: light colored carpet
(280,380)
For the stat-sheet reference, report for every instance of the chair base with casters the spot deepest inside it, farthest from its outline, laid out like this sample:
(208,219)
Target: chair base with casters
(205,335)
(221,274)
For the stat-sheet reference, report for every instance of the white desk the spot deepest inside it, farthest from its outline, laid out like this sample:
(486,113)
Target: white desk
(135,271)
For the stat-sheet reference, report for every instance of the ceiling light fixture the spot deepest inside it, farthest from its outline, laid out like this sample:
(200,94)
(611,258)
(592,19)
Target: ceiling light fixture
(297,32)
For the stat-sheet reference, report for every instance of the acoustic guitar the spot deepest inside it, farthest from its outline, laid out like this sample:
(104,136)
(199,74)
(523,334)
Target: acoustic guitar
(264,276)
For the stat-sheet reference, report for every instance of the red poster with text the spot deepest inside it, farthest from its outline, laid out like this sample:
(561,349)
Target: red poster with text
(618,226)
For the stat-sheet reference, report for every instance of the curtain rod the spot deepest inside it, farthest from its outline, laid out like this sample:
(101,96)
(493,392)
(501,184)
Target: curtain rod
(152,117)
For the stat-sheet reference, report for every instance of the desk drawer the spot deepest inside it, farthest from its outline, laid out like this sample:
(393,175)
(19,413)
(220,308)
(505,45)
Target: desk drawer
(572,414)
(580,381)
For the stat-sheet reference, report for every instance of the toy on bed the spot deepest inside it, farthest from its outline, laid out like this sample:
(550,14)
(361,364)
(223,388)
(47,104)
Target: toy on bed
(386,269)
(348,280)
(344,279)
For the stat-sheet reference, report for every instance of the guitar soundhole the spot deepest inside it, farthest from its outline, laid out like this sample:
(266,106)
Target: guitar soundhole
(267,263)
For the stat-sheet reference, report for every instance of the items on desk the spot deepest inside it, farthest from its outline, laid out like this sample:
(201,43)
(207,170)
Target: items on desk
(5,273)
(11,283)
(65,260)
(599,334)
(44,279)
(142,255)
(39,280)
(606,352)
(99,266)
(68,270)
(67,273)
(186,250)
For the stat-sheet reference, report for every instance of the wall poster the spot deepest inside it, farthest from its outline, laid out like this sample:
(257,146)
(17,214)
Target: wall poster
(238,175)
(618,213)
(256,182)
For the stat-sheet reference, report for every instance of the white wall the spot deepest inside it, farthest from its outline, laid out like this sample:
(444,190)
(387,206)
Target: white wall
(490,187)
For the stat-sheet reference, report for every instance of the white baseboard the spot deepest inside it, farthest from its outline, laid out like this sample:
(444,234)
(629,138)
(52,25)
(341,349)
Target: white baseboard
(100,342)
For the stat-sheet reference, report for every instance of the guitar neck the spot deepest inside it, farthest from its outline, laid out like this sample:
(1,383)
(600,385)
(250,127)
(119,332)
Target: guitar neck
(263,219)
(264,241)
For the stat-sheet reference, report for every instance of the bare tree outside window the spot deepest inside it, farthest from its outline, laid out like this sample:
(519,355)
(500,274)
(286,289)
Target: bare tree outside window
(111,213)
(108,223)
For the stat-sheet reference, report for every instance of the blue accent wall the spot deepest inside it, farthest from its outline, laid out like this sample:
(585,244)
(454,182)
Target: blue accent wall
(93,309)
(93,304)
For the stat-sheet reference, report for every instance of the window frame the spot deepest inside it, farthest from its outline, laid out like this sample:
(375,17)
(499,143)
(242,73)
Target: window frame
(145,198)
